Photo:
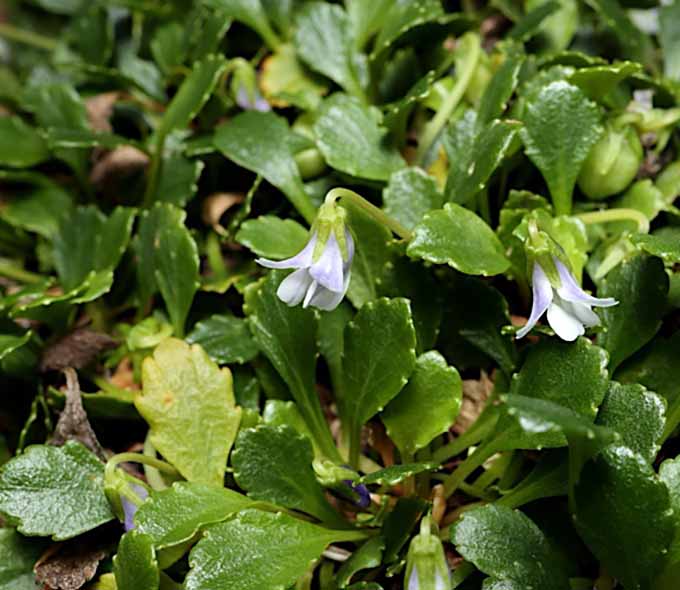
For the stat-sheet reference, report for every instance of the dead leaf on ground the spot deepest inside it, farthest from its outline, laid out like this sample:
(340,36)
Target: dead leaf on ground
(216,205)
(118,165)
(99,110)
(73,423)
(475,394)
(77,349)
(124,375)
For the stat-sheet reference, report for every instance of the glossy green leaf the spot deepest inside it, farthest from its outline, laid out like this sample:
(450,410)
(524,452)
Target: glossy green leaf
(525,28)
(458,237)
(261,142)
(17,558)
(598,81)
(669,37)
(174,515)
(39,210)
(501,87)
(350,137)
(178,180)
(637,414)
(287,337)
(323,41)
(367,556)
(379,357)
(135,566)
(167,259)
(427,406)
(89,241)
(669,474)
(258,550)
(226,339)
(274,464)
(331,340)
(189,405)
(410,194)
(21,146)
(272,237)
(366,18)
(664,243)
(391,476)
(554,144)
(251,13)
(507,545)
(193,93)
(640,285)
(54,492)
(623,514)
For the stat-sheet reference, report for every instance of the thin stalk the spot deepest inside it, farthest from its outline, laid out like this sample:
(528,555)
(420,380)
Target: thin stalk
(622,214)
(375,212)
(114,461)
(483,425)
(475,460)
(37,40)
(11,271)
(153,476)
(154,171)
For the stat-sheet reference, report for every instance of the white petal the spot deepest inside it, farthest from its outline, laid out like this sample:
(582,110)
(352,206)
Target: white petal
(566,326)
(302,259)
(328,269)
(543,295)
(440,583)
(310,293)
(571,291)
(413,583)
(584,314)
(328,300)
(293,288)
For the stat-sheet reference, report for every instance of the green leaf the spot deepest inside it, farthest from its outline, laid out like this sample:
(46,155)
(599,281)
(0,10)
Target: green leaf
(287,337)
(188,402)
(526,27)
(323,41)
(489,148)
(350,137)
(178,180)
(640,285)
(89,241)
(664,243)
(391,476)
(623,514)
(251,13)
(174,515)
(261,142)
(598,81)
(226,339)
(410,194)
(258,550)
(457,237)
(366,18)
(39,209)
(669,474)
(21,146)
(399,524)
(669,37)
(509,547)
(427,406)
(331,340)
(501,87)
(167,260)
(17,558)
(272,237)
(274,464)
(379,357)
(637,414)
(554,144)
(367,556)
(54,492)
(135,565)
(193,93)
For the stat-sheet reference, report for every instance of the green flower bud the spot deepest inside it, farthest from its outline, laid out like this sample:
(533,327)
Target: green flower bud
(612,163)
(330,474)
(426,565)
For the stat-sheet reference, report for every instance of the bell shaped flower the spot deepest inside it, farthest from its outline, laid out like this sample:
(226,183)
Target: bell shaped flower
(426,565)
(569,307)
(322,269)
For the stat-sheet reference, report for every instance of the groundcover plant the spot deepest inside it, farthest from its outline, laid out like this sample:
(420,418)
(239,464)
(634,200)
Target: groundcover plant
(373,294)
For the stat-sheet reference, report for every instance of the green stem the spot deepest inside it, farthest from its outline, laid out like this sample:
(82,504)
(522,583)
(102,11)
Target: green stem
(445,111)
(27,37)
(672,419)
(9,270)
(375,212)
(114,461)
(608,215)
(153,476)
(484,424)
(154,171)
(475,460)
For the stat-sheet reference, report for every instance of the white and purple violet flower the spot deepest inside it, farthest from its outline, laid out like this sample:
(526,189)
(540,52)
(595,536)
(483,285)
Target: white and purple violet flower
(322,273)
(568,306)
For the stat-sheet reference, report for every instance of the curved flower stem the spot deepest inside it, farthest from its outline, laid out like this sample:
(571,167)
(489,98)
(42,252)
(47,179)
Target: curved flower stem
(475,460)
(114,461)
(27,37)
(376,213)
(607,215)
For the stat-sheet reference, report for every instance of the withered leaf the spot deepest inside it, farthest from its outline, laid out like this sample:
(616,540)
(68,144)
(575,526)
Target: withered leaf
(77,349)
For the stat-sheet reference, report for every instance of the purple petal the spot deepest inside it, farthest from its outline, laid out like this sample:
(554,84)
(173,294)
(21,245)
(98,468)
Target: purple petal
(413,582)
(293,288)
(328,300)
(350,249)
(581,311)
(303,259)
(543,295)
(566,326)
(328,269)
(244,100)
(130,508)
(570,290)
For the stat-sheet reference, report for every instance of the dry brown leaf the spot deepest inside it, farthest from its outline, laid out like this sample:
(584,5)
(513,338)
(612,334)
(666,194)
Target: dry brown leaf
(118,165)
(475,394)
(216,205)
(99,109)
(76,349)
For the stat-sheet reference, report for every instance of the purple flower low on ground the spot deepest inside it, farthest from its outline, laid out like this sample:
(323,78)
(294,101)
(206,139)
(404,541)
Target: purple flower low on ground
(130,508)
(569,307)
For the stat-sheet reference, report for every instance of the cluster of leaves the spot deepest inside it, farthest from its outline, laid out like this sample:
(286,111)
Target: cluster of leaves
(150,150)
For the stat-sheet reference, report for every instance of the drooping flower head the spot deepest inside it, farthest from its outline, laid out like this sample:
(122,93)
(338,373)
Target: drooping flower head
(322,269)
(426,565)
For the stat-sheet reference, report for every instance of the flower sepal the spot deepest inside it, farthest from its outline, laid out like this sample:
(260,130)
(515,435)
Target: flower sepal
(426,565)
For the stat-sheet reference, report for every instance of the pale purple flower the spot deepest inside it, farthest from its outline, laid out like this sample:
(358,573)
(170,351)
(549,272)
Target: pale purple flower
(568,306)
(130,508)
(321,283)
(251,101)
(439,582)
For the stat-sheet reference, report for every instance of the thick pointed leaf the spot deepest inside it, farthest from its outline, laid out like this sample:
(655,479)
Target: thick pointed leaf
(135,566)
(21,146)
(409,195)
(189,405)
(226,339)
(272,237)
(17,558)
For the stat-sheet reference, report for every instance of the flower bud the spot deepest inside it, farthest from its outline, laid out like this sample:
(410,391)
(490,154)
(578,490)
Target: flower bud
(426,565)
(612,163)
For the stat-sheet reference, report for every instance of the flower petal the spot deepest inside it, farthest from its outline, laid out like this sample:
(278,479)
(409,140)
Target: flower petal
(413,582)
(328,300)
(566,326)
(571,291)
(583,312)
(328,269)
(440,583)
(543,295)
(293,288)
(130,508)
(303,259)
